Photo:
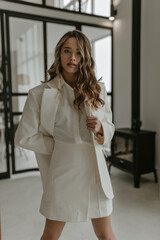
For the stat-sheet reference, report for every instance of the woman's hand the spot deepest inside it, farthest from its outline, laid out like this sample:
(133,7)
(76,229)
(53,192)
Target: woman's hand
(94,125)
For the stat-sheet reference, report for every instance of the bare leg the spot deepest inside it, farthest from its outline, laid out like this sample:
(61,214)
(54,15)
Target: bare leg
(52,230)
(102,228)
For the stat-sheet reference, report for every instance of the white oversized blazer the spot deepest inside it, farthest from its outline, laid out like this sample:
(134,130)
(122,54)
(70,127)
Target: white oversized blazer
(35,129)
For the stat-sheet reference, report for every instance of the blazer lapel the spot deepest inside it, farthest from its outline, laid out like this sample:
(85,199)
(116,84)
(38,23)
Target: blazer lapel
(97,113)
(88,113)
(50,102)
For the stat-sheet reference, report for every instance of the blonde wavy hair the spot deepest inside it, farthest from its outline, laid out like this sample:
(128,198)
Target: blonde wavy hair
(86,83)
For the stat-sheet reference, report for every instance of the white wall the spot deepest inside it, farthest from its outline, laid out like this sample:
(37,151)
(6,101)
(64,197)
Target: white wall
(150,69)
(122,64)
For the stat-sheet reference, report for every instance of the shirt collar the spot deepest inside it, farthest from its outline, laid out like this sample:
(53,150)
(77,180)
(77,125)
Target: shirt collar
(64,83)
(59,82)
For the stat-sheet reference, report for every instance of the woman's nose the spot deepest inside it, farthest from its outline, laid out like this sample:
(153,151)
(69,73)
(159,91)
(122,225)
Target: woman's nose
(73,58)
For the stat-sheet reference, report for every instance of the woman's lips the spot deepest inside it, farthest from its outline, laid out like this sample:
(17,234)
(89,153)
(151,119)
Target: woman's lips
(71,65)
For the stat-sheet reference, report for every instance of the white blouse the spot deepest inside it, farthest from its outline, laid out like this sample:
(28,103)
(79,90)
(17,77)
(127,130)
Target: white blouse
(71,127)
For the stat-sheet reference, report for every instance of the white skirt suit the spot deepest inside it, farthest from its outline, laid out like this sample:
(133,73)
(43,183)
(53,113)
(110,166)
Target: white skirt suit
(74,173)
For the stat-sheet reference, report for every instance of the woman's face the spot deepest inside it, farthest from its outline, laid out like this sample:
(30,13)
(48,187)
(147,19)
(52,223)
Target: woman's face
(70,56)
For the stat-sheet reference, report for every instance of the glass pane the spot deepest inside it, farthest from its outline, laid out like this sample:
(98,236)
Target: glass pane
(60,30)
(3,166)
(33,1)
(27,58)
(101,40)
(24,159)
(87,6)
(18,103)
(72,5)
(102,50)
(101,8)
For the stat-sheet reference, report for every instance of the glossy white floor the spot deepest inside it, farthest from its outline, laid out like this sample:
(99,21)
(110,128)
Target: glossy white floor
(136,214)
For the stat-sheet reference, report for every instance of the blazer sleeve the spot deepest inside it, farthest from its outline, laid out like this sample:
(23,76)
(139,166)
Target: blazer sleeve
(27,134)
(107,125)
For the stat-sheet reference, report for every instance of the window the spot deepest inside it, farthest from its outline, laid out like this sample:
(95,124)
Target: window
(101,8)
(64,4)
(95,7)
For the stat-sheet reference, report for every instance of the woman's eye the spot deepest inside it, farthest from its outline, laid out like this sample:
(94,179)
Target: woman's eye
(66,51)
(78,53)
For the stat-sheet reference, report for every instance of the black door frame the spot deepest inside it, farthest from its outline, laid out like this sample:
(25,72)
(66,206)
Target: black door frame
(4,97)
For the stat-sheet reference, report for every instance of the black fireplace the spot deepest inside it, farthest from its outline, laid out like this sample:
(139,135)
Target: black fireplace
(133,149)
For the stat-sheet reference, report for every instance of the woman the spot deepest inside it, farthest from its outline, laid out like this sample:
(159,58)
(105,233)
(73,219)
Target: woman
(66,121)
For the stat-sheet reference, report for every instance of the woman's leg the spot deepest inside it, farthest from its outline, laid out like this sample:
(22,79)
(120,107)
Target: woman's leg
(52,230)
(102,228)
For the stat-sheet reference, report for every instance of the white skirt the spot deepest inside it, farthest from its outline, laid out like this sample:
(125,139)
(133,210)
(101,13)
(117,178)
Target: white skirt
(73,192)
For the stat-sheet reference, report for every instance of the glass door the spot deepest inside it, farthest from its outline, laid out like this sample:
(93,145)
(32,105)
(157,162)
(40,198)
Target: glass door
(30,50)
(26,70)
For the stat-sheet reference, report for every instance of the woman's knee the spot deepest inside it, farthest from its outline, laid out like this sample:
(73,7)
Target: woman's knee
(103,229)
(49,237)
(52,230)
(105,236)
